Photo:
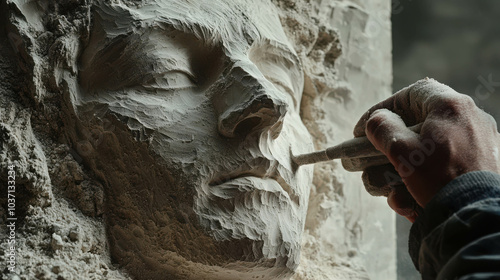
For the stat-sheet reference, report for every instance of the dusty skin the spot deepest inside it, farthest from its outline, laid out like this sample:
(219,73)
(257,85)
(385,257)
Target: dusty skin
(152,140)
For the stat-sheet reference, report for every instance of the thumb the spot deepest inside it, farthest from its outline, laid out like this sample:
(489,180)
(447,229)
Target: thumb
(389,134)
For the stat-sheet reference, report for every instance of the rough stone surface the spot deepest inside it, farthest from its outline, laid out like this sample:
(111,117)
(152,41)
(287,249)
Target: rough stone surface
(116,181)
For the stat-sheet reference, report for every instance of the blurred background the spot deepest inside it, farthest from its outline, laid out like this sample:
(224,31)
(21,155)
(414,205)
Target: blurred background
(456,42)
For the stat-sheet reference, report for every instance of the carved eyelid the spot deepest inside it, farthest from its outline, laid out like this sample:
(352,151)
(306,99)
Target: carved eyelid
(190,75)
(150,84)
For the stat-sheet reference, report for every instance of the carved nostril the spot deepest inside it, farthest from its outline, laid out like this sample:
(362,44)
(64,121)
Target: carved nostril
(256,115)
(246,126)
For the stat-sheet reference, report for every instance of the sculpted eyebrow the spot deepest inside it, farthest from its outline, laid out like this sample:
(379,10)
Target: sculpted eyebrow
(116,64)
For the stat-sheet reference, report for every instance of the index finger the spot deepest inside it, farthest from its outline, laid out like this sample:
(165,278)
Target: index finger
(412,103)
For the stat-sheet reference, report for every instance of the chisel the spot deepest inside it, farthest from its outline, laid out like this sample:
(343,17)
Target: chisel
(356,154)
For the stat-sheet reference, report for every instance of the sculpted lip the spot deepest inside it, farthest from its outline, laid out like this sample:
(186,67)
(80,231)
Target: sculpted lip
(271,172)
(224,178)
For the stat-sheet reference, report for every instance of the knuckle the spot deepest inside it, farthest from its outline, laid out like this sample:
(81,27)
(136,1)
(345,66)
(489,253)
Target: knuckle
(359,128)
(373,123)
(466,101)
(493,122)
(489,119)
(376,120)
(424,87)
(456,105)
(449,102)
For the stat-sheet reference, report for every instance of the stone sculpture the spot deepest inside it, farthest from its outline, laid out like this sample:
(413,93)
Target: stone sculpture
(155,136)
(219,107)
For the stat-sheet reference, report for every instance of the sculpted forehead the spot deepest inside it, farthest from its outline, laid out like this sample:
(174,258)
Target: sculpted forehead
(249,35)
(229,22)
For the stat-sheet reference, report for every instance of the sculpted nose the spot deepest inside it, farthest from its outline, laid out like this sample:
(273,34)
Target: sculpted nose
(246,105)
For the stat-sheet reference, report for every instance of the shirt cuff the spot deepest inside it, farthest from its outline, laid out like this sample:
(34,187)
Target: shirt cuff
(462,191)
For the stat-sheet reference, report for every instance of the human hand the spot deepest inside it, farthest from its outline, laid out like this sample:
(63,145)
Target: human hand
(456,137)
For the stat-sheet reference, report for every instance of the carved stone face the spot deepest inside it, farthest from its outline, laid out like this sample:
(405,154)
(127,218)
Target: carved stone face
(213,88)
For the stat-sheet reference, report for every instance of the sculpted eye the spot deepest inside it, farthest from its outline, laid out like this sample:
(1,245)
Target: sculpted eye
(154,60)
(172,80)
